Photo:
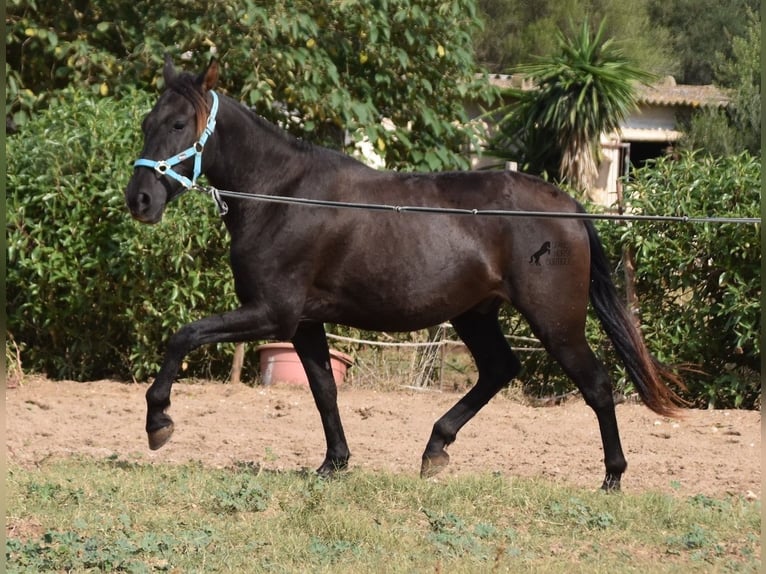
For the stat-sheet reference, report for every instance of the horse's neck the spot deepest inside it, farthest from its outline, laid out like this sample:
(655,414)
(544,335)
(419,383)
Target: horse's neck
(252,155)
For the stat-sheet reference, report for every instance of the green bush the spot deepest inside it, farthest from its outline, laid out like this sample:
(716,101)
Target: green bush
(90,292)
(698,284)
(322,69)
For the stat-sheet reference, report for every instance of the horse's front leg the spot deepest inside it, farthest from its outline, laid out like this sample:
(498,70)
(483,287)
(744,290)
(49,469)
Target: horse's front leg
(497,365)
(310,343)
(243,324)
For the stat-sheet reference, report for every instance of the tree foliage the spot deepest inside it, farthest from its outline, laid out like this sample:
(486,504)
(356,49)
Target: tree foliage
(517,31)
(738,127)
(585,89)
(322,70)
(702,31)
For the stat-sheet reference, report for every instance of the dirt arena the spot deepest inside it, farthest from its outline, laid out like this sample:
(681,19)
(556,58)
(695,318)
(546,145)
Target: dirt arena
(715,453)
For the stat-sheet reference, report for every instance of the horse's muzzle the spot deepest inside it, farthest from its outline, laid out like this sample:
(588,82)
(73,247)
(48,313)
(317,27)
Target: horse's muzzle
(141,209)
(144,206)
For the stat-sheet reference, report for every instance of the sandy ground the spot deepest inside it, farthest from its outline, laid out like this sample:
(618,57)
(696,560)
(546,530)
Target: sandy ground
(714,453)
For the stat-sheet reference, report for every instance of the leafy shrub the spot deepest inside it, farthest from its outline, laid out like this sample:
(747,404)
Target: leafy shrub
(90,292)
(323,69)
(698,284)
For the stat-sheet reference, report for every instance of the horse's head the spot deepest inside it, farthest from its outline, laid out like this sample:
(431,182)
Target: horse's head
(175,132)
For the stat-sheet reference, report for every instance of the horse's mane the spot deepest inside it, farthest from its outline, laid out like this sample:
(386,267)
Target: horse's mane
(280,133)
(185,84)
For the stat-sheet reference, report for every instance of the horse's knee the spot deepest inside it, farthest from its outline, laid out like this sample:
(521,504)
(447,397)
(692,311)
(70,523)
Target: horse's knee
(181,342)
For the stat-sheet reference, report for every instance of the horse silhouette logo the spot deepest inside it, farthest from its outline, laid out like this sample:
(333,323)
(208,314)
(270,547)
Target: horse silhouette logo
(545,248)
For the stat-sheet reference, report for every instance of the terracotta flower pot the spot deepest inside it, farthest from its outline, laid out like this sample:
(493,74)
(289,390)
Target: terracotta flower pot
(280,364)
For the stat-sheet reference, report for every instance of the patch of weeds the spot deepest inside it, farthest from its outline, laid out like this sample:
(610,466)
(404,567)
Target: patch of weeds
(712,504)
(51,492)
(242,494)
(71,551)
(485,531)
(127,551)
(452,536)
(696,537)
(331,552)
(44,492)
(114,461)
(698,542)
(578,512)
(270,455)
(248,466)
(314,492)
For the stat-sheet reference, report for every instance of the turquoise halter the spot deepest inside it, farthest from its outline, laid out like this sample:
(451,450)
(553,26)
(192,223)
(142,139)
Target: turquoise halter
(165,167)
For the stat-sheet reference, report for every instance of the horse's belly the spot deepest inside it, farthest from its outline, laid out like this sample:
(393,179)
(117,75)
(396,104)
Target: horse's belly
(402,305)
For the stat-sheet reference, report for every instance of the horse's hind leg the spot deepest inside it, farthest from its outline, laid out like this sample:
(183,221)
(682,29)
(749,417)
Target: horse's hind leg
(591,377)
(496,364)
(564,338)
(310,343)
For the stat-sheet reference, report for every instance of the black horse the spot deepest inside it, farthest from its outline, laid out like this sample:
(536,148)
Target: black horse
(297,267)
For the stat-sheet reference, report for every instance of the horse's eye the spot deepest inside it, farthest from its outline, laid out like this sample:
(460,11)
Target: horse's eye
(179,125)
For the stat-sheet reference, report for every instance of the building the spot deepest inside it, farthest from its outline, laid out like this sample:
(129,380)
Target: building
(650,131)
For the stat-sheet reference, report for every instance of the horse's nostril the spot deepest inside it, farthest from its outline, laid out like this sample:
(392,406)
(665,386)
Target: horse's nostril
(143,199)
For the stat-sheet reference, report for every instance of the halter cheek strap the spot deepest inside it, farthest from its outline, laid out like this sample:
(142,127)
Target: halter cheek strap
(165,166)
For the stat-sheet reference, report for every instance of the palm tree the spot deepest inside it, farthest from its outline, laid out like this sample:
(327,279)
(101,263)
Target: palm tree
(582,91)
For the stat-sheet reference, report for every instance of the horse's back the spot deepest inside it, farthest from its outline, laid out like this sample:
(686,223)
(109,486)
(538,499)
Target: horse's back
(400,271)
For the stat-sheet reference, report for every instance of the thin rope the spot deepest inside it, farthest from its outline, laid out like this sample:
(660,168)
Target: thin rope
(415,345)
(473,212)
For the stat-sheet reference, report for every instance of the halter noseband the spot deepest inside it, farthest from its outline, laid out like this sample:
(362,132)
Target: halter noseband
(165,167)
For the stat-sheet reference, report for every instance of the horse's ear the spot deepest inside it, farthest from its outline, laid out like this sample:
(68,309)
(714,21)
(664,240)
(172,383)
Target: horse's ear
(168,70)
(209,78)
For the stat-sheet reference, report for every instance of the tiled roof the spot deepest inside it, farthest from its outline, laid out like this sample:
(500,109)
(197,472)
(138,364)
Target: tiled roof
(664,93)
(671,94)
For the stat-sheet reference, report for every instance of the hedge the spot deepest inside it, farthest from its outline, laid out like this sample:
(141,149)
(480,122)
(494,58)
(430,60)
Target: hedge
(699,284)
(90,292)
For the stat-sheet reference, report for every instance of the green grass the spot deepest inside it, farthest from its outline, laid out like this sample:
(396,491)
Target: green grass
(112,515)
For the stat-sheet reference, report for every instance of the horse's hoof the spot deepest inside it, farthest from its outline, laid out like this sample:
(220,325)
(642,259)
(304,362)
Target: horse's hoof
(433,464)
(611,483)
(330,468)
(159,437)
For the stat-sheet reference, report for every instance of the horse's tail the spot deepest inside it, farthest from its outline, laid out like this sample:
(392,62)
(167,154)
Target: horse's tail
(650,377)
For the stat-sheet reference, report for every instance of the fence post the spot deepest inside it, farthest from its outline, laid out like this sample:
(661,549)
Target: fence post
(236,364)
